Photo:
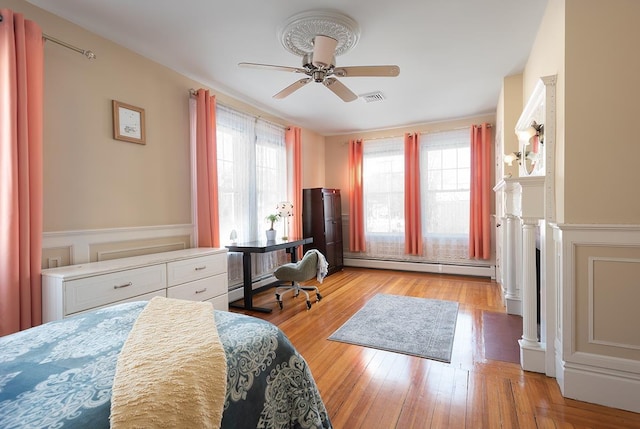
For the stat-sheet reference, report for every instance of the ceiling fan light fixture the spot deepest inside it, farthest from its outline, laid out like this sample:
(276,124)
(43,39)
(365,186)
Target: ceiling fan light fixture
(323,49)
(299,31)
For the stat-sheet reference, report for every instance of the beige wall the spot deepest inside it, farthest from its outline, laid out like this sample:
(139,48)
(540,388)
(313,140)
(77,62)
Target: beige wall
(92,181)
(507,114)
(601,150)
(313,153)
(591,46)
(337,149)
(546,59)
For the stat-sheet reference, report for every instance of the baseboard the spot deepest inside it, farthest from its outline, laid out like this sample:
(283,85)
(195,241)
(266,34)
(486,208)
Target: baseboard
(466,270)
(610,388)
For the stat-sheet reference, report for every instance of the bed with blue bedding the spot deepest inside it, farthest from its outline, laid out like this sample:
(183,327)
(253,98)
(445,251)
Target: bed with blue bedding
(60,375)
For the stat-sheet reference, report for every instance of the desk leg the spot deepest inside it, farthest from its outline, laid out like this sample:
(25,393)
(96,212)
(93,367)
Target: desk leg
(248,287)
(293,252)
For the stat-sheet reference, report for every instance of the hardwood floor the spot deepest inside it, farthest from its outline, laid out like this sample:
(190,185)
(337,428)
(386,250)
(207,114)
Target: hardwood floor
(368,388)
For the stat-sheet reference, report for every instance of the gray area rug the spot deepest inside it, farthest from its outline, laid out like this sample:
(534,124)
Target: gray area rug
(403,324)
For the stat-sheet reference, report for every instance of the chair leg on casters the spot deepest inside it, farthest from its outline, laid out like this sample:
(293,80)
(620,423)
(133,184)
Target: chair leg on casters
(296,288)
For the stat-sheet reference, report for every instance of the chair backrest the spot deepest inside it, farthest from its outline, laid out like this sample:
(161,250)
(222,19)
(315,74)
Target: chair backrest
(305,269)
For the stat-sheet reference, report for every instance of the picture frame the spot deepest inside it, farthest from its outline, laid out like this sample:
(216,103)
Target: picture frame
(128,123)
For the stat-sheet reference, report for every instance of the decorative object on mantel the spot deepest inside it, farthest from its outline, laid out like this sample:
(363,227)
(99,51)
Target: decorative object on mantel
(513,156)
(285,210)
(271,232)
(534,130)
(128,123)
(531,139)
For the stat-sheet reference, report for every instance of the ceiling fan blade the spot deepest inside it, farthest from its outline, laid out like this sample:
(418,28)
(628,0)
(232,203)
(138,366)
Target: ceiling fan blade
(339,89)
(272,67)
(291,88)
(357,71)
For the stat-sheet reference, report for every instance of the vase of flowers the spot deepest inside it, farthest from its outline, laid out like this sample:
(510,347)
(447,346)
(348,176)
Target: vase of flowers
(271,232)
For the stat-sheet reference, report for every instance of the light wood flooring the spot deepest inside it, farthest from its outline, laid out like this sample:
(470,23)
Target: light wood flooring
(368,388)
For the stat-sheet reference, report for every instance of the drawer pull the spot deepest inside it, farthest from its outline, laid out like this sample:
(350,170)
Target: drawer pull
(204,267)
(124,285)
(201,290)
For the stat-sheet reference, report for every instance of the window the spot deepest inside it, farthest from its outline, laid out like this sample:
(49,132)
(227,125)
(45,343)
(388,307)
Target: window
(383,195)
(445,161)
(445,171)
(252,180)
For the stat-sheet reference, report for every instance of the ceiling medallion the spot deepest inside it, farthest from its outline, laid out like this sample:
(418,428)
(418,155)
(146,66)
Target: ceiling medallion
(298,32)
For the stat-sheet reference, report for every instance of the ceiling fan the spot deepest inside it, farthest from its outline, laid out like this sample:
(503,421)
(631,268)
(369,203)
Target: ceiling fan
(320,66)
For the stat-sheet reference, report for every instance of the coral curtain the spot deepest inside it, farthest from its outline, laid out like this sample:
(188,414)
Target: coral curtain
(293,142)
(356,202)
(412,197)
(206,171)
(480,204)
(21,105)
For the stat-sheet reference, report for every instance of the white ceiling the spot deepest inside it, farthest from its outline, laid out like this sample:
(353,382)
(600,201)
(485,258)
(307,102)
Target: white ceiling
(452,54)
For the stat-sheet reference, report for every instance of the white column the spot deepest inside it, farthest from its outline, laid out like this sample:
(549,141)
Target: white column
(512,297)
(529,288)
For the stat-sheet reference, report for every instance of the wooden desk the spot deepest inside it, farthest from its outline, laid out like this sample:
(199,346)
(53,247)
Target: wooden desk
(262,246)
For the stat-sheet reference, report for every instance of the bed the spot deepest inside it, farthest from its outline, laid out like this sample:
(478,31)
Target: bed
(60,374)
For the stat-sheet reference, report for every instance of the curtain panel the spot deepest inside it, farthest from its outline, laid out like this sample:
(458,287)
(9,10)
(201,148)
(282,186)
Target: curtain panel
(356,201)
(480,205)
(208,223)
(21,106)
(412,195)
(293,142)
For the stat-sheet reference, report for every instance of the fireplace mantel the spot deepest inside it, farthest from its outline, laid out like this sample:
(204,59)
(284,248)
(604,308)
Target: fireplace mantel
(523,196)
(526,209)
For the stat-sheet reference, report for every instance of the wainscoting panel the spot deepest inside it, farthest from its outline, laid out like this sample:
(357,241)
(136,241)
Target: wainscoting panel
(78,247)
(608,296)
(599,316)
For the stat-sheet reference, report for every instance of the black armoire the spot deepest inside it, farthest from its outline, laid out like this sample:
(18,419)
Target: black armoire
(322,220)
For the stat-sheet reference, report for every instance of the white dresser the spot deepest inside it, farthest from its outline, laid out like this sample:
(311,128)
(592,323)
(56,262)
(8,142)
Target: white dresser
(198,274)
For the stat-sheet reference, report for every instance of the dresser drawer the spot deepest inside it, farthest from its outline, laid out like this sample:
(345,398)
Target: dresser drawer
(145,297)
(188,270)
(220,302)
(90,292)
(200,290)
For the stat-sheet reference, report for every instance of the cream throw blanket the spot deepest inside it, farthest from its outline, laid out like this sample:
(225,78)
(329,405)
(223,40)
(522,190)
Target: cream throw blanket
(172,370)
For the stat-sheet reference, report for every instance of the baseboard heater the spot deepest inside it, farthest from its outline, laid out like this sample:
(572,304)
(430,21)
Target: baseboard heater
(423,267)
(236,291)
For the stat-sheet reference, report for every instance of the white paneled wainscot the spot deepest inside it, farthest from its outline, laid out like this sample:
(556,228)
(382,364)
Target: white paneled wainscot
(198,274)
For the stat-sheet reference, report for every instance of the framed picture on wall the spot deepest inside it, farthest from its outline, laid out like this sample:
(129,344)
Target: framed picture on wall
(128,123)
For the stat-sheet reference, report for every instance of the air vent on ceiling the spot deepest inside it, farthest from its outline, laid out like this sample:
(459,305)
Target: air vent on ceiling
(373,97)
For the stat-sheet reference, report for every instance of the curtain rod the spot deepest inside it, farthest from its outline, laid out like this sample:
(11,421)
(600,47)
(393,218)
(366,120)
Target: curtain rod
(444,130)
(89,54)
(418,132)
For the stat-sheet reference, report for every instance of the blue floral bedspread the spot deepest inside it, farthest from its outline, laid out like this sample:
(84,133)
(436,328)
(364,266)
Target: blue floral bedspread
(59,375)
